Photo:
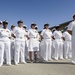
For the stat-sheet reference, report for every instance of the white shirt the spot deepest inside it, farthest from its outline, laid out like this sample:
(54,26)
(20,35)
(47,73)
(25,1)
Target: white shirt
(20,32)
(12,38)
(1,30)
(25,36)
(46,33)
(67,36)
(5,33)
(57,34)
(71,27)
(32,33)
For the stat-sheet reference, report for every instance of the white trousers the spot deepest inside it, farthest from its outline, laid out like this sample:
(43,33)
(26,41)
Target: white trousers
(58,49)
(53,48)
(1,52)
(5,47)
(26,49)
(12,49)
(47,49)
(67,49)
(19,51)
(42,49)
(73,49)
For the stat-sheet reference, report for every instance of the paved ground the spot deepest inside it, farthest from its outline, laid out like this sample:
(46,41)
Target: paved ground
(61,67)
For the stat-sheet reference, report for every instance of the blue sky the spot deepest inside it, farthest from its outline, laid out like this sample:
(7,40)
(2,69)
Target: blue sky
(53,12)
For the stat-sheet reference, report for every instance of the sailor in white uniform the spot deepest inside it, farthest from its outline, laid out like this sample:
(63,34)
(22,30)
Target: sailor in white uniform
(26,43)
(67,45)
(12,40)
(47,36)
(57,35)
(42,47)
(5,38)
(38,42)
(71,30)
(1,45)
(19,43)
(33,47)
(53,43)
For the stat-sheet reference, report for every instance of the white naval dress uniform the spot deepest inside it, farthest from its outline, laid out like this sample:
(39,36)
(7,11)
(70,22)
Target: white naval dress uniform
(42,49)
(72,28)
(1,48)
(33,46)
(19,44)
(26,48)
(38,43)
(58,45)
(12,40)
(53,48)
(5,46)
(47,34)
(67,45)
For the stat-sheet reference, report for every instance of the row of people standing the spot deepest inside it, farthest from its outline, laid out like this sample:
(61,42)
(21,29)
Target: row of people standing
(12,43)
(48,45)
(24,39)
(56,45)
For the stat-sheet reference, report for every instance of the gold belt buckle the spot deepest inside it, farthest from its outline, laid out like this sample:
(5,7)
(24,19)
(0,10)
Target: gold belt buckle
(20,37)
